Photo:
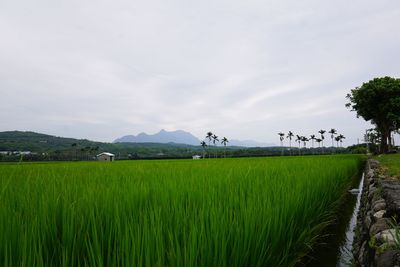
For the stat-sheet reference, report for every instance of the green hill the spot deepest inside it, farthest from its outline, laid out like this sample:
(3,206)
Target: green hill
(60,148)
(48,147)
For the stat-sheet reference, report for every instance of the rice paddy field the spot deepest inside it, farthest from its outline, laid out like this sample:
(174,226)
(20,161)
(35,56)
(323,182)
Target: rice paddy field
(213,212)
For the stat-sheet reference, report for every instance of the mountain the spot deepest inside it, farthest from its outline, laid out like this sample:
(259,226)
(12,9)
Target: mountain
(182,137)
(38,142)
(178,137)
(249,143)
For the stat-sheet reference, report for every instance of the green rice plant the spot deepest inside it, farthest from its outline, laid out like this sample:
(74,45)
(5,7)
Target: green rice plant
(217,212)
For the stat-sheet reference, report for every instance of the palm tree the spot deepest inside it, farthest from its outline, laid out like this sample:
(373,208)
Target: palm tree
(337,139)
(341,137)
(318,140)
(304,140)
(224,141)
(209,137)
(290,135)
(298,139)
(333,132)
(215,139)
(312,138)
(204,145)
(322,138)
(281,137)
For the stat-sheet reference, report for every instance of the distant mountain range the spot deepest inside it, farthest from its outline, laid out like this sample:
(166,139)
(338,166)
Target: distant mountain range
(181,137)
(178,137)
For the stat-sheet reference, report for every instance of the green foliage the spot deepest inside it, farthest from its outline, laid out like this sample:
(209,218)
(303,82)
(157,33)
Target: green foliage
(372,243)
(395,225)
(378,101)
(225,212)
(391,164)
(362,148)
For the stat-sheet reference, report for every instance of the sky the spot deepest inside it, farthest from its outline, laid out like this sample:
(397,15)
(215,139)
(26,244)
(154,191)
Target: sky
(242,69)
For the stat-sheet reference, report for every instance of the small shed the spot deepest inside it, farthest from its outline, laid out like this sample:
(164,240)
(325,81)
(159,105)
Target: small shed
(196,157)
(105,156)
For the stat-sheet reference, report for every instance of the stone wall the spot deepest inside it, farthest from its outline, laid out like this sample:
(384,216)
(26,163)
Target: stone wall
(376,235)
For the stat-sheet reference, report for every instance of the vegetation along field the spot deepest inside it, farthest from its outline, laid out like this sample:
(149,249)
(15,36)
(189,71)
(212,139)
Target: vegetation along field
(214,212)
(390,164)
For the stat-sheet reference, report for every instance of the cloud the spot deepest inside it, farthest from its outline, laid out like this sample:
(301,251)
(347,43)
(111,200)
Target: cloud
(247,70)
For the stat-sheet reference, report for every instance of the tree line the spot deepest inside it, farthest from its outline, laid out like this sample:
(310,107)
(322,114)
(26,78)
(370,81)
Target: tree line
(213,138)
(301,139)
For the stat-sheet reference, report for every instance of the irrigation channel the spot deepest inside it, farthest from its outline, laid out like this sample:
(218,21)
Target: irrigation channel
(334,248)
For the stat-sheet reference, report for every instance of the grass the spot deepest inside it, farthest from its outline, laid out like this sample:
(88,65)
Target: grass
(390,164)
(225,212)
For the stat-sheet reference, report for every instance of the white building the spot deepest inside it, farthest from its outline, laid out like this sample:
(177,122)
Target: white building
(105,156)
(196,157)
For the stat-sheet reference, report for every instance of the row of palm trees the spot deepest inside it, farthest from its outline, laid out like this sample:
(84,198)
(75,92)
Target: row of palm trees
(214,139)
(320,140)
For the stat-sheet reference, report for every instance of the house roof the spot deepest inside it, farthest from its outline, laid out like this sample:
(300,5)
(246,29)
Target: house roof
(106,153)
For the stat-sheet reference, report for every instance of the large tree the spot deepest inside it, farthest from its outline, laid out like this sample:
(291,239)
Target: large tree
(378,101)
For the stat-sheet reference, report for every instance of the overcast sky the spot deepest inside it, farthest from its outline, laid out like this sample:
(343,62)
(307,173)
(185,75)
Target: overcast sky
(242,69)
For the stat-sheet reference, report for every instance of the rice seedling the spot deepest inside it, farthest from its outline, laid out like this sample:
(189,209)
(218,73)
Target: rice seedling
(214,212)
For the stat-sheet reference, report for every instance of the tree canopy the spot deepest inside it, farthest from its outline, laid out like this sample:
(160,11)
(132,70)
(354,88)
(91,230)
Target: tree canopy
(378,101)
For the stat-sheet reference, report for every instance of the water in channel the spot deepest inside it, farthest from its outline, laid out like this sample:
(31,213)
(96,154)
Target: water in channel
(334,249)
